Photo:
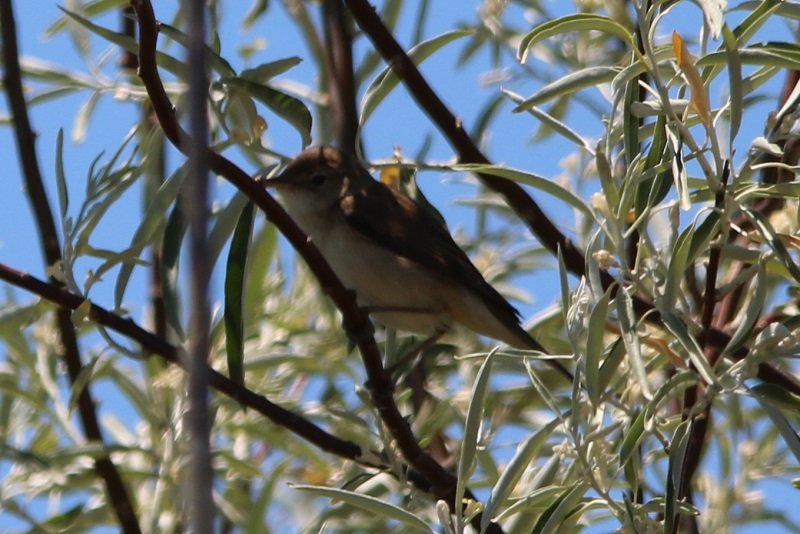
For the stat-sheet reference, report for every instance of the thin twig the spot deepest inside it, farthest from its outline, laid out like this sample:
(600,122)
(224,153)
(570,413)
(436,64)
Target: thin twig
(341,81)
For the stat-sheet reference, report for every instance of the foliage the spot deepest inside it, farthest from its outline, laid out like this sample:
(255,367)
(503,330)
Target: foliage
(683,404)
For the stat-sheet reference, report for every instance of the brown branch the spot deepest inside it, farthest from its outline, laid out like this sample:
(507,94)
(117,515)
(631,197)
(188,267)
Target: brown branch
(515,196)
(355,320)
(26,139)
(714,257)
(153,344)
(698,430)
(341,81)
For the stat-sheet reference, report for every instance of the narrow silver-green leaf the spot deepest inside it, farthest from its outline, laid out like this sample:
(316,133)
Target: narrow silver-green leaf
(552,519)
(514,470)
(678,260)
(266,71)
(151,222)
(387,80)
(632,341)
(571,83)
(289,108)
(764,227)
(634,434)
(225,220)
(571,23)
(549,120)
(789,434)
(472,427)
(539,182)
(368,504)
(594,347)
(677,452)
(690,345)
(752,312)
(734,81)
(83,116)
(61,180)
(215,61)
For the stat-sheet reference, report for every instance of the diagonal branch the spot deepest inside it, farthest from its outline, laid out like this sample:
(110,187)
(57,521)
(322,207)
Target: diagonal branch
(34,184)
(153,344)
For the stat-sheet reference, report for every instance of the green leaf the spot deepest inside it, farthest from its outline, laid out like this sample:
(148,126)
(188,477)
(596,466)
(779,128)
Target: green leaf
(669,390)
(556,125)
(702,235)
(789,434)
(752,312)
(690,345)
(369,504)
(539,499)
(225,220)
(571,23)
(631,340)
(214,60)
(677,453)
(768,233)
(734,80)
(174,233)
(289,108)
(760,13)
(514,470)
(387,80)
(257,9)
(630,122)
(127,43)
(90,9)
(151,223)
(552,519)
(61,180)
(594,347)
(234,286)
(83,116)
(472,427)
(678,260)
(539,182)
(571,83)
(634,435)
(266,71)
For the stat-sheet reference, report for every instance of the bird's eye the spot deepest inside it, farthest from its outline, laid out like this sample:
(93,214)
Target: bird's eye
(318,179)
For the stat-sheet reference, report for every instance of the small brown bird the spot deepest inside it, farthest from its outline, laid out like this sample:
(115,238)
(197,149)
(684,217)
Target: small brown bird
(402,263)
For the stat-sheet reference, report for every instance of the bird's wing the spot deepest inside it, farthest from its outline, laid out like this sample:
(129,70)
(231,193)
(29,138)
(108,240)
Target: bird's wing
(393,220)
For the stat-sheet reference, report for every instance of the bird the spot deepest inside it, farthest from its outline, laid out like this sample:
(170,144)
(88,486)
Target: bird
(402,263)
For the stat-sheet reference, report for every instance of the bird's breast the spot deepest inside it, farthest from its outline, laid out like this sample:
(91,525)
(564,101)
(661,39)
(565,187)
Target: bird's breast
(396,291)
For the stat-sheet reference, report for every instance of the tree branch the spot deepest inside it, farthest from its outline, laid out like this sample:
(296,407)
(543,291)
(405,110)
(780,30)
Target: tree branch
(341,82)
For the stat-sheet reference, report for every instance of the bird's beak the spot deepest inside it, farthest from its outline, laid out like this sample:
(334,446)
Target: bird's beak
(278,182)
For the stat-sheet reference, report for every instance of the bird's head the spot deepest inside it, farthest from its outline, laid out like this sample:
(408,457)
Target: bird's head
(315,180)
